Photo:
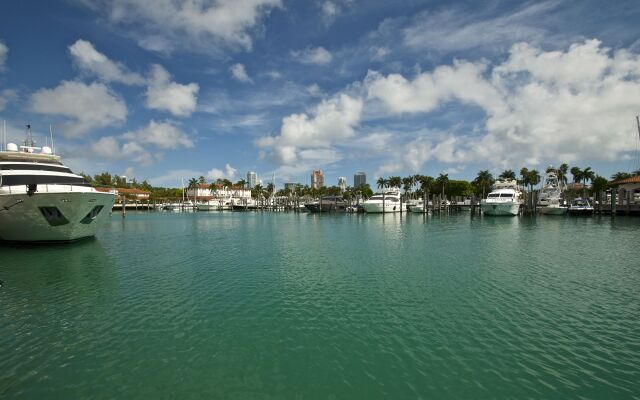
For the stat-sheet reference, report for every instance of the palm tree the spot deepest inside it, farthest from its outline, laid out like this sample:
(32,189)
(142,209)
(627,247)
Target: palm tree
(202,180)
(407,184)
(507,175)
(442,180)
(193,184)
(241,183)
(562,173)
(620,175)
(213,187)
(587,175)
(484,180)
(534,178)
(577,174)
(395,181)
(526,177)
(382,183)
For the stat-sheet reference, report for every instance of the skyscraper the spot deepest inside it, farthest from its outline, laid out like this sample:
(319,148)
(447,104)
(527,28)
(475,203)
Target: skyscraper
(359,179)
(252,179)
(342,183)
(317,178)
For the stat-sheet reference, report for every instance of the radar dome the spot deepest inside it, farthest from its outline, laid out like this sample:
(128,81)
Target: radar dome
(46,150)
(12,147)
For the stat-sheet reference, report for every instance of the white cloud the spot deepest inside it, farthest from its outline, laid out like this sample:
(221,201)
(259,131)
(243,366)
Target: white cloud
(330,9)
(456,29)
(6,96)
(318,55)
(163,94)
(228,173)
(91,61)
(160,134)
(239,73)
(4,50)
(88,106)
(175,178)
(555,106)
(168,24)
(109,147)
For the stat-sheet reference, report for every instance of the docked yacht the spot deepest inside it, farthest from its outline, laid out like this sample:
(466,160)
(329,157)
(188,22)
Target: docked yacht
(550,196)
(580,206)
(504,199)
(387,201)
(41,200)
(327,204)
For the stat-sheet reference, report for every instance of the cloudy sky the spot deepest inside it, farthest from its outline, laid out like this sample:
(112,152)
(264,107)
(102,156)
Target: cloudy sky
(217,88)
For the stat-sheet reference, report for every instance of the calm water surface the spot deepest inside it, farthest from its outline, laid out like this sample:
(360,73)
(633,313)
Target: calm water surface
(235,305)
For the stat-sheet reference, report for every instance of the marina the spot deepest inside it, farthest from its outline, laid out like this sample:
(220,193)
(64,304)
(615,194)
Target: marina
(446,305)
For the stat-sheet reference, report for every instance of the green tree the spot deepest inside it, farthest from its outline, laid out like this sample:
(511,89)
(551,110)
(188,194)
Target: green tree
(507,175)
(382,183)
(395,181)
(442,180)
(483,181)
(534,178)
(525,176)
(620,175)
(103,179)
(562,173)
(577,174)
(587,175)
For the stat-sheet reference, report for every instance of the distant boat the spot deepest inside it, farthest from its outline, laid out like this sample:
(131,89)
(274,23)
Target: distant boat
(43,201)
(387,201)
(580,206)
(504,199)
(550,196)
(327,204)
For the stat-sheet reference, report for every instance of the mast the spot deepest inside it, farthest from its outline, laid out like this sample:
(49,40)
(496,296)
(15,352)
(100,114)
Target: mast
(29,139)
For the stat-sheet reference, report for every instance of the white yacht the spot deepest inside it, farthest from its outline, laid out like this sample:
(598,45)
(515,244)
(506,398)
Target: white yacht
(504,199)
(41,200)
(389,198)
(550,196)
(580,206)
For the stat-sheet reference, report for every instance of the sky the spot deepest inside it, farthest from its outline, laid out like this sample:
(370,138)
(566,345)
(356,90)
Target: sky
(168,89)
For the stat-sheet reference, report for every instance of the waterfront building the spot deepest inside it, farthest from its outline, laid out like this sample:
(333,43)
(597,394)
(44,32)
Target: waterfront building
(342,183)
(206,192)
(317,179)
(359,179)
(252,179)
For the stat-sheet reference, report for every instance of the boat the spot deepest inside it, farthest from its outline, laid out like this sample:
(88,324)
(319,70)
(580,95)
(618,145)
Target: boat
(580,206)
(419,207)
(327,204)
(246,204)
(387,201)
(550,196)
(41,200)
(504,199)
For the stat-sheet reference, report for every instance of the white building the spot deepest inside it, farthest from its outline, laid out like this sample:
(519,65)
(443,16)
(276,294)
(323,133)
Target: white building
(342,183)
(205,192)
(252,179)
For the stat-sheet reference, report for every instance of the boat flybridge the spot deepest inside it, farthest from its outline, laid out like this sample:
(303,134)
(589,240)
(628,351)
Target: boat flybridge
(550,196)
(41,200)
(504,199)
(387,201)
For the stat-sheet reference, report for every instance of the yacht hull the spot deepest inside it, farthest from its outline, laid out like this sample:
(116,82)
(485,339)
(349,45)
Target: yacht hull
(508,209)
(53,217)
(374,208)
(550,210)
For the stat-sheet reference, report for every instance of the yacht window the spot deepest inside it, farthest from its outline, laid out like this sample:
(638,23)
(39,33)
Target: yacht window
(34,167)
(15,180)
(506,195)
(494,195)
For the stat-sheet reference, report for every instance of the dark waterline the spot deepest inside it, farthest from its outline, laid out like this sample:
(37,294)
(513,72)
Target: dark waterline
(264,305)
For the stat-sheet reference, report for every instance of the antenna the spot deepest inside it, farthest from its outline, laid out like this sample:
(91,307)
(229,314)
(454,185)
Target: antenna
(29,140)
(53,149)
(4,134)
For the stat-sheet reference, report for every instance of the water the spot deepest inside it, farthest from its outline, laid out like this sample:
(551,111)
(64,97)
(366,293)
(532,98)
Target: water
(263,305)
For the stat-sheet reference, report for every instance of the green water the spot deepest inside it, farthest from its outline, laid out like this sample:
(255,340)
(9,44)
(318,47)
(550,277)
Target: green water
(262,305)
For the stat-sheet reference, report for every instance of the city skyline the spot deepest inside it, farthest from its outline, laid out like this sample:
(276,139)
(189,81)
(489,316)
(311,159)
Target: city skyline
(281,88)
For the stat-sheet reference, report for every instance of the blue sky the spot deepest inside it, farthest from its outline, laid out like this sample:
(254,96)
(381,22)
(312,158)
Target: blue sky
(218,88)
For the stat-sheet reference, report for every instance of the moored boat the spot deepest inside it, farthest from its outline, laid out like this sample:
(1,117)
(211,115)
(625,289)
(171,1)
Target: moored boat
(327,204)
(580,206)
(387,201)
(41,200)
(504,199)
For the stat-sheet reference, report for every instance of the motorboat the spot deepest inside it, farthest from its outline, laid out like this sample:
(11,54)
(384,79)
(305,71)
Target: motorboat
(41,200)
(327,204)
(504,199)
(580,206)
(419,207)
(550,196)
(387,201)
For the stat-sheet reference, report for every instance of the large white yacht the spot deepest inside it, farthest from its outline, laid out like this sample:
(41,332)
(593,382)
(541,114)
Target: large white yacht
(41,200)
(550,196)
(504,199)
(387,201)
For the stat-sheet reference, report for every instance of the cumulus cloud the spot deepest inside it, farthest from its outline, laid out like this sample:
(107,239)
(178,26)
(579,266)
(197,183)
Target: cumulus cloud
(228,173)
(4,50)
(306,139)
(6,96)
(163,94)
(557,106)
(91,61)
(110,147)
(85,106)
(239,73)
(318,56)
(163,135)
(169,24)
